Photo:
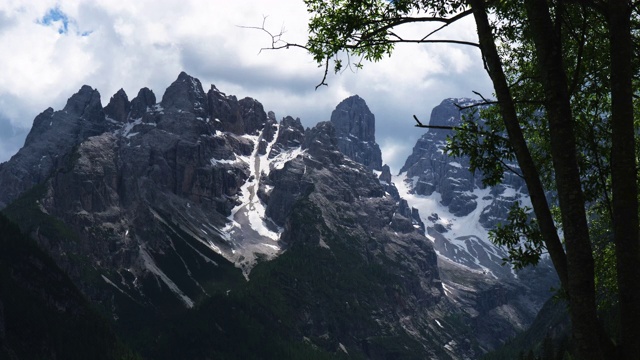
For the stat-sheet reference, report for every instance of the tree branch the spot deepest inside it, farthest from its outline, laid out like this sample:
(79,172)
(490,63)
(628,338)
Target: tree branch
(458,128)
(393,22)
(479,132)
(451,21)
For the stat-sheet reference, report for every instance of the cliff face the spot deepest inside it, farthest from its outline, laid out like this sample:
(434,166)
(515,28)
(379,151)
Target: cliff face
(355,128)
(457,211)
(153,208)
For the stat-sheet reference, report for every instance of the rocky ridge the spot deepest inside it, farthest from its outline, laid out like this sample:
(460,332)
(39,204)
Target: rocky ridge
(152,206)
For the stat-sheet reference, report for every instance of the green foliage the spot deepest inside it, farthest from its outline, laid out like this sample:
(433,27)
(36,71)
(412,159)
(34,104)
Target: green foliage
(521,236)
(604,258)
(353,24)
(366,29)
(485,145)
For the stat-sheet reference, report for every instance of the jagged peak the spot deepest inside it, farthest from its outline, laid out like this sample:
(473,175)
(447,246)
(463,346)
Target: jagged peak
(87,97)
(145,99)
(459,101)
(448,112)
(353,117)
(145,95)
(118,107)
(186,93)
(120,93)
(196,85)
(289,121)
(214,92)
(355,127)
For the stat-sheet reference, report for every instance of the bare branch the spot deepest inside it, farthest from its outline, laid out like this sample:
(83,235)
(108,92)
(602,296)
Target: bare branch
(277,42)
(410,19)
(512,170)
(326,72)
(481,97)
(488,102)
(458,128)
(475,105)
(362,40)
(520,79)
(451,21)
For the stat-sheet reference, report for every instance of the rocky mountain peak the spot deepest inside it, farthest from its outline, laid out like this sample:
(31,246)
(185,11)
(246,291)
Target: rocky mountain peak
(290,135)
(447,113)
(41,123)
(185,94)
(253,115)
(118,107)
(353,117)
(246,116)
(52,136)
(145,99)
(85,101)
(355,128)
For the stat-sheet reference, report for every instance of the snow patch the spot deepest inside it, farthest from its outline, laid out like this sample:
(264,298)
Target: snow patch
(251,209)
(215,161)
(465,234)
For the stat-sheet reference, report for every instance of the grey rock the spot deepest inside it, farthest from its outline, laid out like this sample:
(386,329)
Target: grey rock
(85,102)
(185,95)
(253,115)
(290,135)
(436,171)
(353,214)
(119,107)
(385,175)
(387,184)
(355,132)
(143,101)
(53,135)
(225,111)
(289,187)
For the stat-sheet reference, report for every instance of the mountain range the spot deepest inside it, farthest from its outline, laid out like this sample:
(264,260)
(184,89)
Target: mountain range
(201,227)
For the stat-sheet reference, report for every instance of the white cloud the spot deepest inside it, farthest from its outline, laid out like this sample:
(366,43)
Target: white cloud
(135,44)
(395,152)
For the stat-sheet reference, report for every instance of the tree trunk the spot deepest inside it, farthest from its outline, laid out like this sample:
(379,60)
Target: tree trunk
(517,141)
(580,264)
(623,179)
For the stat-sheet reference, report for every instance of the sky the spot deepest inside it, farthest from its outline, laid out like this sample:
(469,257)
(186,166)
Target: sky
(51,48)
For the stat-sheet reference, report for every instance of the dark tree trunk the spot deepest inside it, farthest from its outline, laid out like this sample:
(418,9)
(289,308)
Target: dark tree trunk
(580,264)
(623,178)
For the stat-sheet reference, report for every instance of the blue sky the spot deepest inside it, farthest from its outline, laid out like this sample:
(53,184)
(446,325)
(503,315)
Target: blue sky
(56,18)
(57,46)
